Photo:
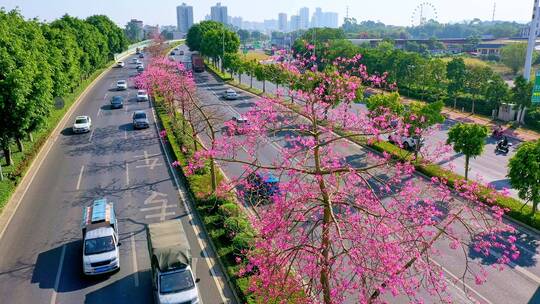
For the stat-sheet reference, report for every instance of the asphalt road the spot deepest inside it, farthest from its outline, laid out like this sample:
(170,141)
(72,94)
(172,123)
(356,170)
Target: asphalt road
(41,248)
(490,167)
(518,283)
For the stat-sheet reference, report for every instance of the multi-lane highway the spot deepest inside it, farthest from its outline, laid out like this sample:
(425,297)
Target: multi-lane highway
(490,167)
(40,250)
(519,283)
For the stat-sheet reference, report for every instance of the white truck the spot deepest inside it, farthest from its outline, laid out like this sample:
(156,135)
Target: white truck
(100,238)
(170,259)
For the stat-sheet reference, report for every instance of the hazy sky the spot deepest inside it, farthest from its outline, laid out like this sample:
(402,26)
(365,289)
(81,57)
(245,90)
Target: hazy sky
(162,12)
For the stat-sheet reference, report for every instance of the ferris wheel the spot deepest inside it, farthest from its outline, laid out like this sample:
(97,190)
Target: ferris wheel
(424,12)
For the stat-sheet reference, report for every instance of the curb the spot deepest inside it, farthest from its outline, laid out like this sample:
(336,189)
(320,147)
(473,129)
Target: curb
(15,200)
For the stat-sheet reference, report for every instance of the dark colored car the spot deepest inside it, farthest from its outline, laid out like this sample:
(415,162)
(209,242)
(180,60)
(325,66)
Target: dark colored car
(117,102)
(262,185)
(141,55)
(140,120)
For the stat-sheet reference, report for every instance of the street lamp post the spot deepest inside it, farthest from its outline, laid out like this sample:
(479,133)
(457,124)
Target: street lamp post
(530,49)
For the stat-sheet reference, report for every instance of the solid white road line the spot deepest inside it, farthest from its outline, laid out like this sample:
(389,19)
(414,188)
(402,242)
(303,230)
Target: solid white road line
(134,259)
(58,274)
(127,173)
(91,135)
(125,134)
(209,262)
(98,112)
(80,178)
(157,208)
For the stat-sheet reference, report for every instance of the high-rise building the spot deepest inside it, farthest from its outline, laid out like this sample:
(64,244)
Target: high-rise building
(184,17)
(295,23)
(134,30)
(304,18)
(219,13)
(270,25)
(316,19)
(282,22)
(329,19)
(236,22)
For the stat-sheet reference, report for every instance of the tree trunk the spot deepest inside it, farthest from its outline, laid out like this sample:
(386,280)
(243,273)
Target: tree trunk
(466,167)
(455,102)
(213,174)
(251,82)
(240,78)
(20,145)
(31,137)
(264,86)
(472,110)
(7,154)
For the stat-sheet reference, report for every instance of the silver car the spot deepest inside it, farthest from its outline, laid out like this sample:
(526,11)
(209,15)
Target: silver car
(140,120)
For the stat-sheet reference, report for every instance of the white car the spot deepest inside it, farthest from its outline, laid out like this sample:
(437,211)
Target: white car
(142,95)
(230,94)
(82,124)
(120,64)
(135,61)
(407,142)
(121,85)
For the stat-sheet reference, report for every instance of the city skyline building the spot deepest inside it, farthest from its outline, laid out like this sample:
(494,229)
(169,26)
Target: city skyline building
(282,22)
(294,23)
(184,17)
(304,18)
(219,13)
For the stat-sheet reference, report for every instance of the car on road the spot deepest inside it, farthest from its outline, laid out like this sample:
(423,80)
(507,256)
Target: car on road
(241,123)
(121,85)
(173,53)
(117,102)
(230,94)
(120,64)
(142,95)
(141,55)
(262,185)
(99,226)
(181,53)
(140,120)
(135,61)
(82,124)
(407,142)
(140,68)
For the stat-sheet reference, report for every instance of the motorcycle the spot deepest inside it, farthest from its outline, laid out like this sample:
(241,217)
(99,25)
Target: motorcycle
(502,148)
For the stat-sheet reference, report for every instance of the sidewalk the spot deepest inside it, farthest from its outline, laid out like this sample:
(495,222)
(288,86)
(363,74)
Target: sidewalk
(521,134)
(466,117)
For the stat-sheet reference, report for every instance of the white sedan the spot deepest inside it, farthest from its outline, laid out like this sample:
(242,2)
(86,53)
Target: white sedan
(82,124)
(121,85)
(230,94)
(120,64)
(142,95)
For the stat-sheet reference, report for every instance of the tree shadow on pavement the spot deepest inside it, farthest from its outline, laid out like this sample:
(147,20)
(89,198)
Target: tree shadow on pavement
(535,299)
(72,278)
(526,244)
(124,291)
(500,184)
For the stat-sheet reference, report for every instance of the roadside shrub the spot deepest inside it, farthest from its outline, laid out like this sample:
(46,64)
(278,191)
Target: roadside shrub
(234,225)
(242,242)
(229,209)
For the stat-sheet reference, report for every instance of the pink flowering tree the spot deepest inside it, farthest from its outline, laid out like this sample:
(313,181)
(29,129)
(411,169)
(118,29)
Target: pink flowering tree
(174,89)
(338,229)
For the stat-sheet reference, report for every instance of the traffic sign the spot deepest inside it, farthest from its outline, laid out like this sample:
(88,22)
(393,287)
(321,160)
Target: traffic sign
(536,89)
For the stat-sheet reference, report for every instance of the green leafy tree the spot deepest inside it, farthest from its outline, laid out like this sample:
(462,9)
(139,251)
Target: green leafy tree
(421,116)
(116,39)
(195,34)
(25,79)
(261,73)
(456,73)
(216,43)
(468,139)
(250,66)
(378,104)
(497,91)
(513,56)
(233,64)
(521,95)
(524,173)
(243,35)
(476,81)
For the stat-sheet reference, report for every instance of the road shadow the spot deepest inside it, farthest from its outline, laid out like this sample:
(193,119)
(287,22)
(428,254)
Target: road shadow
(356,160)
(245,104)
(126,127)
(106,107)
(68,132)
(500,184)
(526,244)
(72,277)
(123,291)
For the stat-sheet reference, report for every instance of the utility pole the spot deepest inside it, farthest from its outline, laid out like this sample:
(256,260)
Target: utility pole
(494,7)
(530,49)
(223,49)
